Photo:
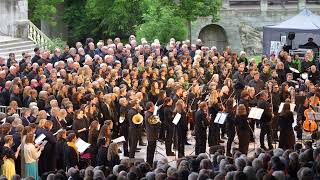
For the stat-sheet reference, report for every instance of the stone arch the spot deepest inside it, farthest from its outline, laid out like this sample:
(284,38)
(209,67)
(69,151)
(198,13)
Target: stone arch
(213,35)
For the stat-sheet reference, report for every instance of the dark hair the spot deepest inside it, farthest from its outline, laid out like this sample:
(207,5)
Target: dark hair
(70,137)
(149,105)
(36,49)
(286,108)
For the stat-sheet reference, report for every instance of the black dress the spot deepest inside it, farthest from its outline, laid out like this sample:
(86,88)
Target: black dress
(200,132)
(102,156)
(60,146)
(182,129)
(231,132)
(243,131)
(79,124)
(286,139)
(214,128)
(48,154)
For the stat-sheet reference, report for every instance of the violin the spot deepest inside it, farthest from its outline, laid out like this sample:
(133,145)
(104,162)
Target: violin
(308,124)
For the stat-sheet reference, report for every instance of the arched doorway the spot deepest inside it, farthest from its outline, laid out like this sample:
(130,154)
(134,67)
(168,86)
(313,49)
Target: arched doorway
(213,35)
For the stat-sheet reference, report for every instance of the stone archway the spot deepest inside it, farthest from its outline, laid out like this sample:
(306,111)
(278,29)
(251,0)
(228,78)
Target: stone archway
(213,35)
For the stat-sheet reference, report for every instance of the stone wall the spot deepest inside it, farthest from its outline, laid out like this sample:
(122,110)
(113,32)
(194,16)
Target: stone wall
(244,27)
(13,17)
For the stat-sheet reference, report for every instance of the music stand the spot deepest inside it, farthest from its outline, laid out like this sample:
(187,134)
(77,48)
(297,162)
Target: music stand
(255,113)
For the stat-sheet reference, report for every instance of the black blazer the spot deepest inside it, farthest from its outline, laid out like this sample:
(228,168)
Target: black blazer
(70,157)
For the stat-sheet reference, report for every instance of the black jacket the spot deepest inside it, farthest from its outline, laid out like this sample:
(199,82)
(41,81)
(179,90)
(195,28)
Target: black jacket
(102,156)
(152,129)
(71,157)
(200,124)
(266,115)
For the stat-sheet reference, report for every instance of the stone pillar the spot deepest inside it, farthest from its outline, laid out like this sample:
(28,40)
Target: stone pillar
(301,4)
(12,12)
(226,4)
(264,5)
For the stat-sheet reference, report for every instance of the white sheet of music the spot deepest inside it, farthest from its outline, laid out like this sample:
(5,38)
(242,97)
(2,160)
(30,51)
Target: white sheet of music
(57,132)
(255,113)
(119,139)
(292,106)
(176,119)
(155,112)
(221,118)
(81,145)
(39,139)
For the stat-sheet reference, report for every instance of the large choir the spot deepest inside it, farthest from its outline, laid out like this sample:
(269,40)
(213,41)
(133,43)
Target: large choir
(162,92)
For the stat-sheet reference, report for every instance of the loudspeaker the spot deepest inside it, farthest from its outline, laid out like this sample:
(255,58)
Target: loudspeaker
(291,36)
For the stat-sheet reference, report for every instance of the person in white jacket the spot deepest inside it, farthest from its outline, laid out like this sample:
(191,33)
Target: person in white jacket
(31,156)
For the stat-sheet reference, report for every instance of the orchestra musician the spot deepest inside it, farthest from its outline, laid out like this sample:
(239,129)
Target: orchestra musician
(286,139)
(124,124)
(182,126)
(265,120)
(201,123)
(243,128)
(169,126)
(230,124)
(214,128)
(135,124)
(152,128)
(192,101)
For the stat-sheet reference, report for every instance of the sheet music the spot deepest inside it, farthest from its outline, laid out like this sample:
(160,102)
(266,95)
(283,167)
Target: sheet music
(81,145)
(295,117)
(155,112)
(292,106)
(57,132)
(119,139)
(220,118)
(255,113)
(176,119)
(216,120)
(39,139)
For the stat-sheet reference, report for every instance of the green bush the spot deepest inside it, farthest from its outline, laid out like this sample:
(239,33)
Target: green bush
(56,43)
(160,23)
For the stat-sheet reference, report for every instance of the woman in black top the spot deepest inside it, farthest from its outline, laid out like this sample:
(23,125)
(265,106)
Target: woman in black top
(60,146)
(153,94)
(102,152)
(243,129)
(182,126)
(80,125)
(286,139)
(214,128)
(113,156)
(230,124)
(159,103)
(92,139)
(71,153)
(169,126)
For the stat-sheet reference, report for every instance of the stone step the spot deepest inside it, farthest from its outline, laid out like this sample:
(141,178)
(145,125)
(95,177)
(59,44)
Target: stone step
(16,52)
(15,44)
(12,40)
(16,48)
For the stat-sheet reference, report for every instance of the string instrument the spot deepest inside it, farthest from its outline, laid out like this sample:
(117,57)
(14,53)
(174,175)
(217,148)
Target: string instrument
(308,124)
(314,100)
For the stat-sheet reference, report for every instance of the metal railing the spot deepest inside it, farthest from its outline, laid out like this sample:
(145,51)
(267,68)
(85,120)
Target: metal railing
(37,36)
(3,109)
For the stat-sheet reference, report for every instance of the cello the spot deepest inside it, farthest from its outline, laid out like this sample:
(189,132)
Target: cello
(309,125)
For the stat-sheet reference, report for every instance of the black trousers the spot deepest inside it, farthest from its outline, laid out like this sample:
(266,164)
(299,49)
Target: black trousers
(252,122)
(231,136)
(169,138)
(266,130)
(214,134)
(124,132)
(201,140)
(150,151)
(134,134)
(181,141)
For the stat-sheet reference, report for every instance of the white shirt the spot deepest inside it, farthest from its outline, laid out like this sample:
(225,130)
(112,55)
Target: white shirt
(31,154)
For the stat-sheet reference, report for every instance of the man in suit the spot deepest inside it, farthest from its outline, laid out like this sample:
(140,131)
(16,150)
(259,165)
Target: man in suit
(265,121)
(201,123)
(134,129)
(152,132)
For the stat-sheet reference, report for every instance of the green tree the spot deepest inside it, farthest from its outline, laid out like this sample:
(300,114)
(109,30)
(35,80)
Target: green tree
(43,10)
(162,24)
(114,18)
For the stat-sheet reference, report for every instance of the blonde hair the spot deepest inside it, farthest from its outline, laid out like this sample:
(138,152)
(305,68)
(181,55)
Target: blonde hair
(241,110)
(112,150)
(213,99)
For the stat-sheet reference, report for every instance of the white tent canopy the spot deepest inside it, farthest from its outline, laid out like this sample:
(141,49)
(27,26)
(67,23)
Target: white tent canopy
(304,25)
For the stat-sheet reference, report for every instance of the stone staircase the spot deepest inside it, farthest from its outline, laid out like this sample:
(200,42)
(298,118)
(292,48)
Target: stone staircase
(15,45)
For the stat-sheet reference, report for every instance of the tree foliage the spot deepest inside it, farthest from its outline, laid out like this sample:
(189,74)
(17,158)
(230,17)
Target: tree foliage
(43,10)
(160,23)
(178,13)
